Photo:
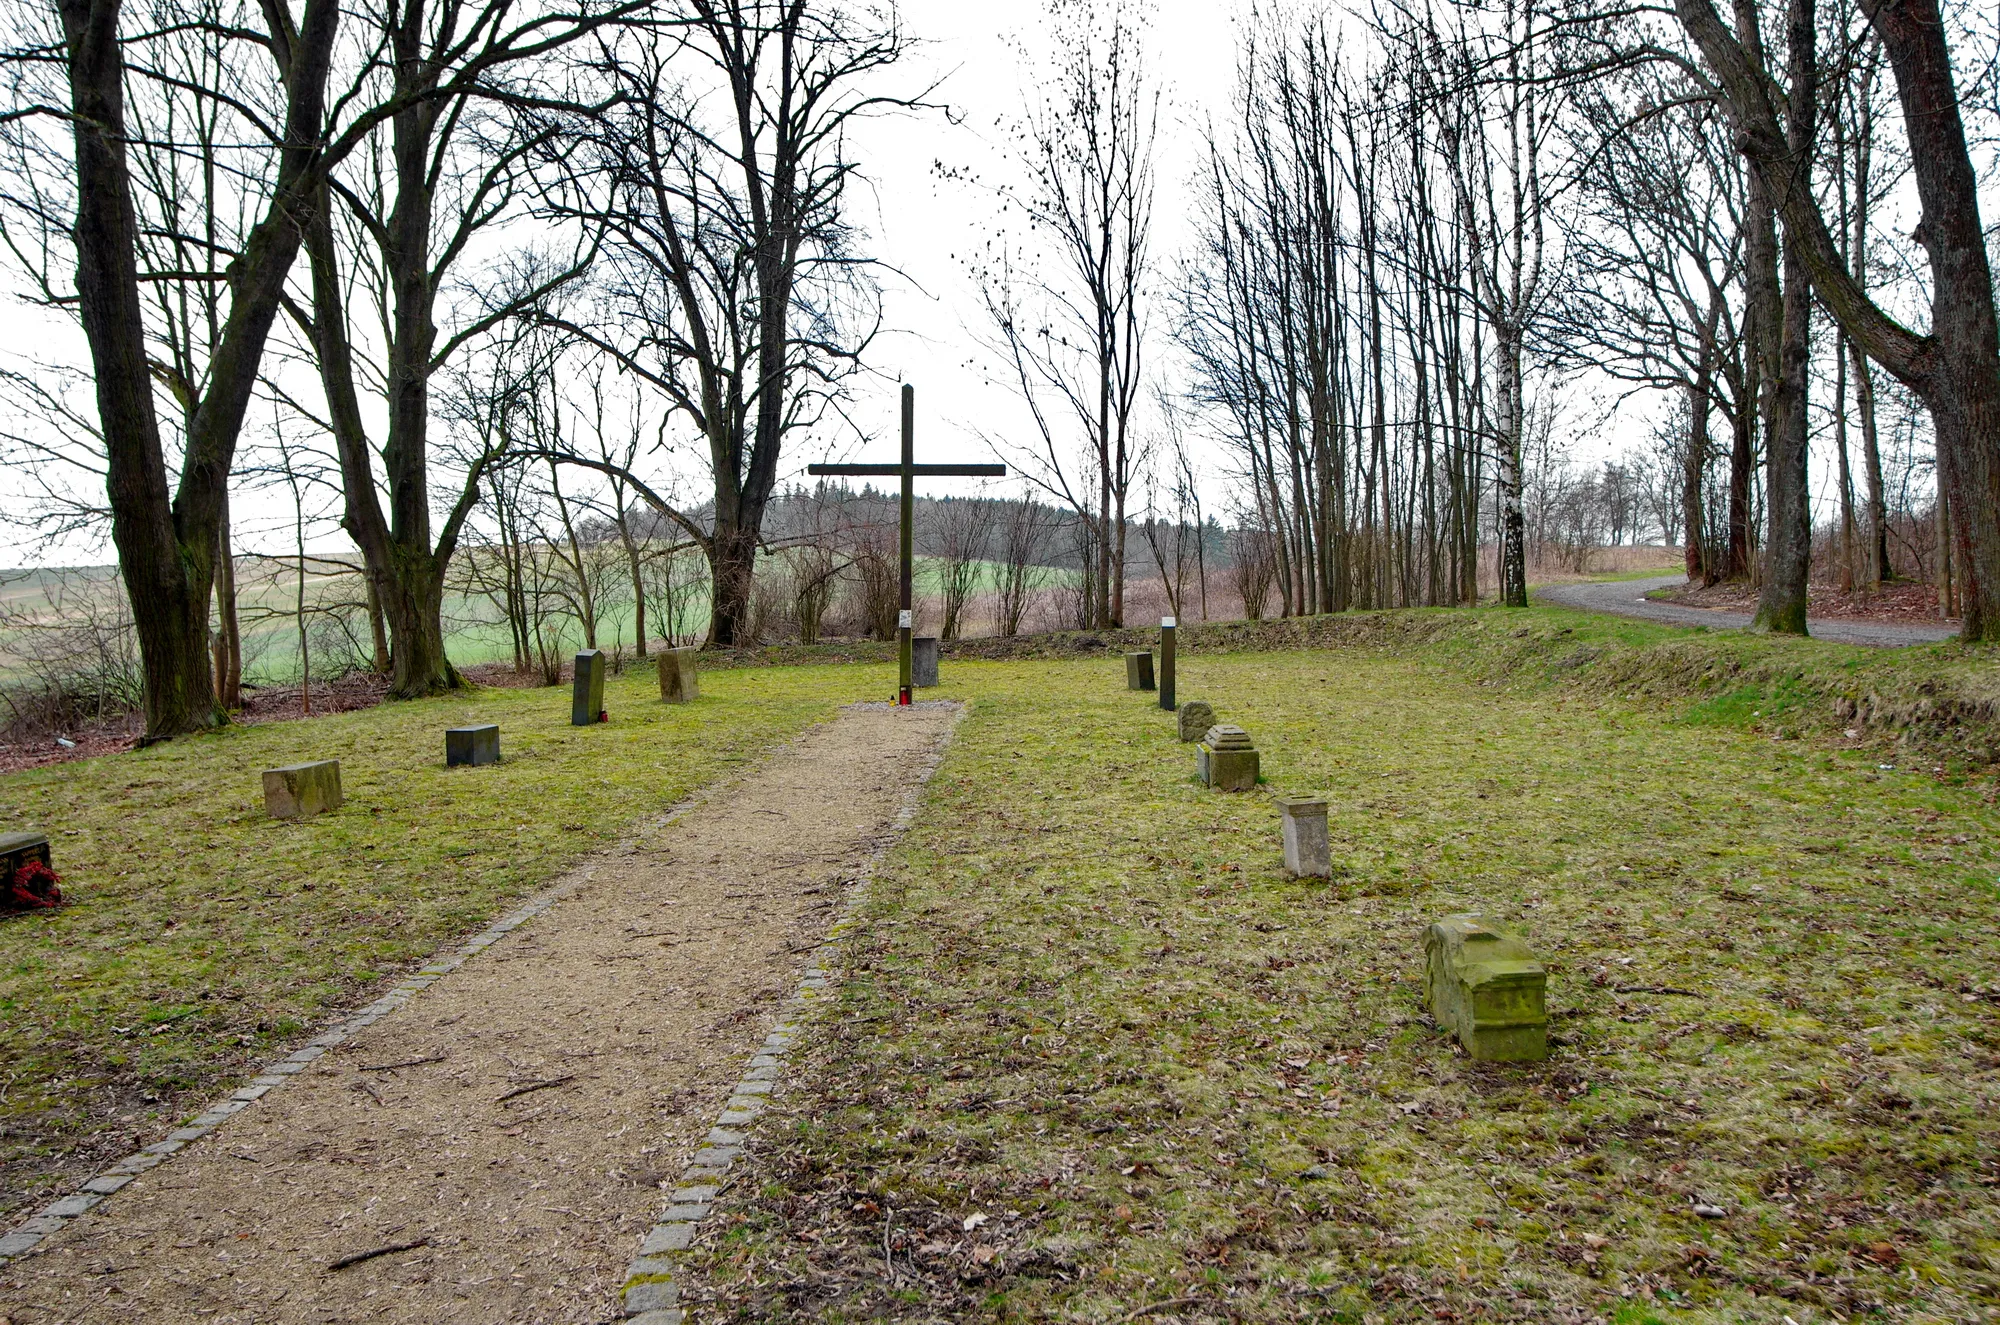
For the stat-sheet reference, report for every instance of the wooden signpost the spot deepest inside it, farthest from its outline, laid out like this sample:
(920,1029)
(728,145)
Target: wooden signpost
(907,471)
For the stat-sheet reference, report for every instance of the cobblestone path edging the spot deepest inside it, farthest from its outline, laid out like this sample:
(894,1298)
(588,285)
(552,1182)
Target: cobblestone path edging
(652,1284)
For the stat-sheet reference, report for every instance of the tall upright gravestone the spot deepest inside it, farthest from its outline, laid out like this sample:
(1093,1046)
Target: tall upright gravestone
(586,704)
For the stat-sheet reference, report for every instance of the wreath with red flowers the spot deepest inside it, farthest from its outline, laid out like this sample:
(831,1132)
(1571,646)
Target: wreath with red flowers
(34,887)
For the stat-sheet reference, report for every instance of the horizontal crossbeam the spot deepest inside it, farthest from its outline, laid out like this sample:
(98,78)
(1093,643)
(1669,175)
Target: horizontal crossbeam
(916,471)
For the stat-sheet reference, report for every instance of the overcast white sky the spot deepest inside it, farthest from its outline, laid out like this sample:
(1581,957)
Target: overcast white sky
(922,225)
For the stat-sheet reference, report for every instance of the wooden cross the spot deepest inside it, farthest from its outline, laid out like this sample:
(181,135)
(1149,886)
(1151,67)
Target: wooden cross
(907,471)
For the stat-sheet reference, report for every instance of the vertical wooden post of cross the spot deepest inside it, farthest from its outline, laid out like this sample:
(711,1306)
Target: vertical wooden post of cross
(906,614)
(908,471)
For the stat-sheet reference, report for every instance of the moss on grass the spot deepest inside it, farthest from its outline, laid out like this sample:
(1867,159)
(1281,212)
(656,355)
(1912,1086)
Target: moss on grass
(1088,1005)
(202,935)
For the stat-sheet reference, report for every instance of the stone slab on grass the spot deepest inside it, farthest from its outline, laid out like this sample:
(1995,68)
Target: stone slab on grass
(298,791)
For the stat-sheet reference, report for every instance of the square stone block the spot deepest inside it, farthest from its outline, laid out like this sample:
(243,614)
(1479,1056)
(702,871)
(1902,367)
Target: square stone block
(923,660)
(1139,670)
(299,790)
(472,746)
(587,691)
(680,677)
(1227,770)
(1306,851)
(1486,986)
(1195,719)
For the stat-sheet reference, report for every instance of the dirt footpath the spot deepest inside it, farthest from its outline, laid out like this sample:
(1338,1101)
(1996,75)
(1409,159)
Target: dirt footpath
(545,1091)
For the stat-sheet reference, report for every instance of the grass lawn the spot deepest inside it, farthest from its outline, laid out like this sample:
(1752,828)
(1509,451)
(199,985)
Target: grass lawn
(204,935)
(1096,1053)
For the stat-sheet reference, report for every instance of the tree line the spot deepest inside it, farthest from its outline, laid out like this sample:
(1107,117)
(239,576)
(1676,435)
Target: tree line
(465,246)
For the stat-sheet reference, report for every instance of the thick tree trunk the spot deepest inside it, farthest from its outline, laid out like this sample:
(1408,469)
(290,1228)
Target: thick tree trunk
(167,581)
(732,565)
(413,602)
(1781,600)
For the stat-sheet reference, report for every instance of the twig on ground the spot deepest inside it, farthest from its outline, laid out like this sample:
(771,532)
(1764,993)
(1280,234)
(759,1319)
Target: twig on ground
(1167,1305)
(1657,989)
(389,1250)
(411,1062)
(536,1085)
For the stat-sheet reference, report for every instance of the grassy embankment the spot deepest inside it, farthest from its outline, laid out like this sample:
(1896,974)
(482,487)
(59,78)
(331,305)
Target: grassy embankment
(203,936)
(1095,1052)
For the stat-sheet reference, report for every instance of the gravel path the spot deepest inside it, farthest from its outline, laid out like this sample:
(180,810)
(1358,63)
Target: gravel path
(1628,598)
(508,1133)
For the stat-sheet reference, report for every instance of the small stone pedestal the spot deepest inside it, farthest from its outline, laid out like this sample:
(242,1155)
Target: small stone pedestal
(1306,853)
(299,790)
(471,746)
(586,704)
(1139,670)
(923,660)
(1195,719)
(680,679)
(1226,760)
(1486,987)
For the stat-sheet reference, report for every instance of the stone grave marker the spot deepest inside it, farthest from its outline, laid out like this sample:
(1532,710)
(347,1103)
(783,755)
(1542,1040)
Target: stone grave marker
(472,746)
(1226,760)
(1167,663)
(298,790)
(587,693)
(16,850)
(1486,987)
(680,677)
(1139,670)
(1195,719)
(923,660)
(1307,854)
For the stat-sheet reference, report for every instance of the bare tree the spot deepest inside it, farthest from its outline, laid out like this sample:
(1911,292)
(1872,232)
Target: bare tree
(1070,321)
(731,280)
(1955,367)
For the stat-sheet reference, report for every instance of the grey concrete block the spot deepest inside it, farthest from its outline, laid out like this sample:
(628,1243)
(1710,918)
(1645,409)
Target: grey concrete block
(297,791)
(1307,854)
(16,1243)
(472,747)
(106,1183)
(72,1206)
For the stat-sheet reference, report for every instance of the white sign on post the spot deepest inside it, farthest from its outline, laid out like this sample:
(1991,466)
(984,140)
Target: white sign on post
(1166,623)
(903,620)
